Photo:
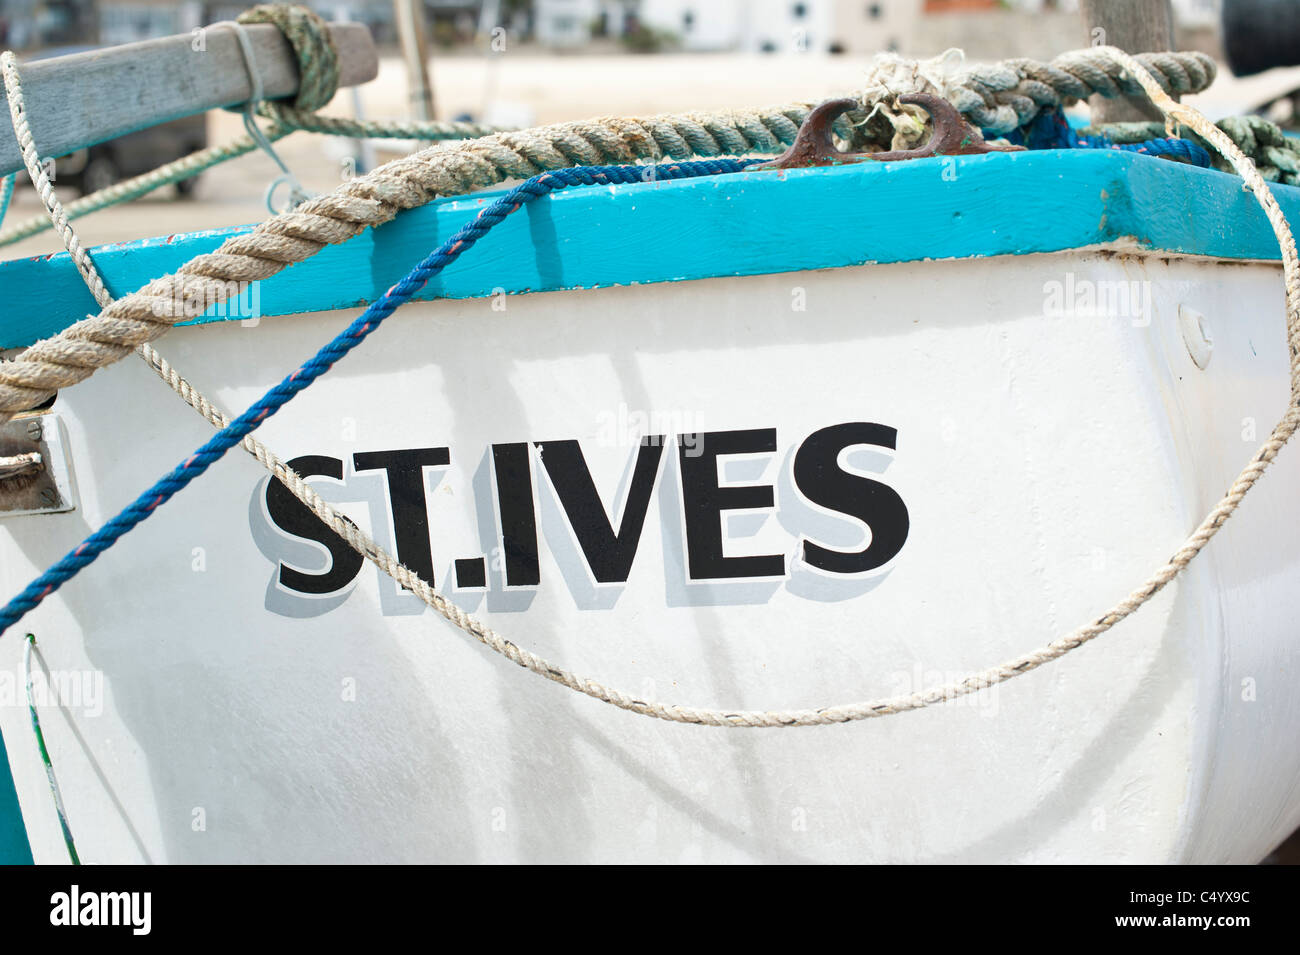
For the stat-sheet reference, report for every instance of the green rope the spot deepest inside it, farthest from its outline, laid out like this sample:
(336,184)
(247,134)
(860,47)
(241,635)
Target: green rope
(137,186)
(1275,154)
(45,753)
(378,128)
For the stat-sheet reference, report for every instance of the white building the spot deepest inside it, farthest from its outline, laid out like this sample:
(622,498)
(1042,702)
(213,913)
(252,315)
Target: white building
(750,25)
(572,23)
(772,26)
(1195,13)
(1009,28)
(795,26)
(869,27)
(134,20)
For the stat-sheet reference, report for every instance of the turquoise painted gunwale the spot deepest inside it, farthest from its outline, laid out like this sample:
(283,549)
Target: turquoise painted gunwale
(742,224)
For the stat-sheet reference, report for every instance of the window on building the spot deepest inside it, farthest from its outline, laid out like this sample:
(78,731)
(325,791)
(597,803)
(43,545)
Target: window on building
(799,11)
(875,11)
(688,21)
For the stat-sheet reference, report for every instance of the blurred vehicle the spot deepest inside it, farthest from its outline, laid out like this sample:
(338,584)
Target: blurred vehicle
(107,163)
(101,166)
(1261,34)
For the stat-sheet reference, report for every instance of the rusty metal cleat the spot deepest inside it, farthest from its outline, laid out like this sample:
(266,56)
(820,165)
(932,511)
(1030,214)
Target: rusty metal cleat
(814,145)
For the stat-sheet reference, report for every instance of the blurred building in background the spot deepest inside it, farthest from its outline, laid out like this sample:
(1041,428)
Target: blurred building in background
(28,23)
(851,26)
(567,24)
(134,20)
(983,28)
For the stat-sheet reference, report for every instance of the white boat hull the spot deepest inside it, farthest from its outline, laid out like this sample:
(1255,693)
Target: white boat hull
(1048,463)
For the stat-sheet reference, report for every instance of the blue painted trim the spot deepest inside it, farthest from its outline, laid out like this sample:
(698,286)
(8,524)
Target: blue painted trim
(14,847)
(742,224)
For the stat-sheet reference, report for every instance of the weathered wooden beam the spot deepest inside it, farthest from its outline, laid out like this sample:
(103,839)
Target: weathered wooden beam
(1135,26)
(87,98)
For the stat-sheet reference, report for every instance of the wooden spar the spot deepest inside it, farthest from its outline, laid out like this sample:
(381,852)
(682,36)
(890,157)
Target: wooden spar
(87,98)
(1135,26)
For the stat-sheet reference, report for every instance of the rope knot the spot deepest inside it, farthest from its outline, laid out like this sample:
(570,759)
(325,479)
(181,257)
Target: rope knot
(313,48)
(19,470)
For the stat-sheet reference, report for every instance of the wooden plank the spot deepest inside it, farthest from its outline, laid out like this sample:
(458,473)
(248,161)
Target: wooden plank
(1135,26)
(671,231)
(87,98)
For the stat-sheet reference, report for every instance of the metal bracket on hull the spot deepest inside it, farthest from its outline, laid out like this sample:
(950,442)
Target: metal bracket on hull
(815,143)
(35,471)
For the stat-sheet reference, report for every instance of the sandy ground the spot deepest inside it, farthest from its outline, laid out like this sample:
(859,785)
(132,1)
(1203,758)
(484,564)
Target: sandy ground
(518,88)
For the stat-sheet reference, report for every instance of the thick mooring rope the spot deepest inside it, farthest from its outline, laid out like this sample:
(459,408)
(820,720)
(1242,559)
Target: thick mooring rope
(1000,97)
(76,352)
(989,95)
(986,95)
(990,92)
(881,707)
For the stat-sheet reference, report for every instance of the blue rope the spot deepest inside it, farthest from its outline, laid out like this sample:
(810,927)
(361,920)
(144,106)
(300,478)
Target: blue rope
(352,336)
(1050,130)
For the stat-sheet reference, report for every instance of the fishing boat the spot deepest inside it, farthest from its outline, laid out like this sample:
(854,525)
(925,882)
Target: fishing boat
(772,440)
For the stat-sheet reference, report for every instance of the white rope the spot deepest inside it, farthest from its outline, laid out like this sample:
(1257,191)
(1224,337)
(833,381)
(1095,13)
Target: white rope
(19,465)
(884,706)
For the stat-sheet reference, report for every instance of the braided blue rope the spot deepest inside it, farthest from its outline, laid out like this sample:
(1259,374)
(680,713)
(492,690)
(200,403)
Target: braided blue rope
(352,336)
(1183,149)
(1050,130)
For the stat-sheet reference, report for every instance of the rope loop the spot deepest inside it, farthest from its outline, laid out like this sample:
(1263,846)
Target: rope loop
(313,48)
(297,194)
